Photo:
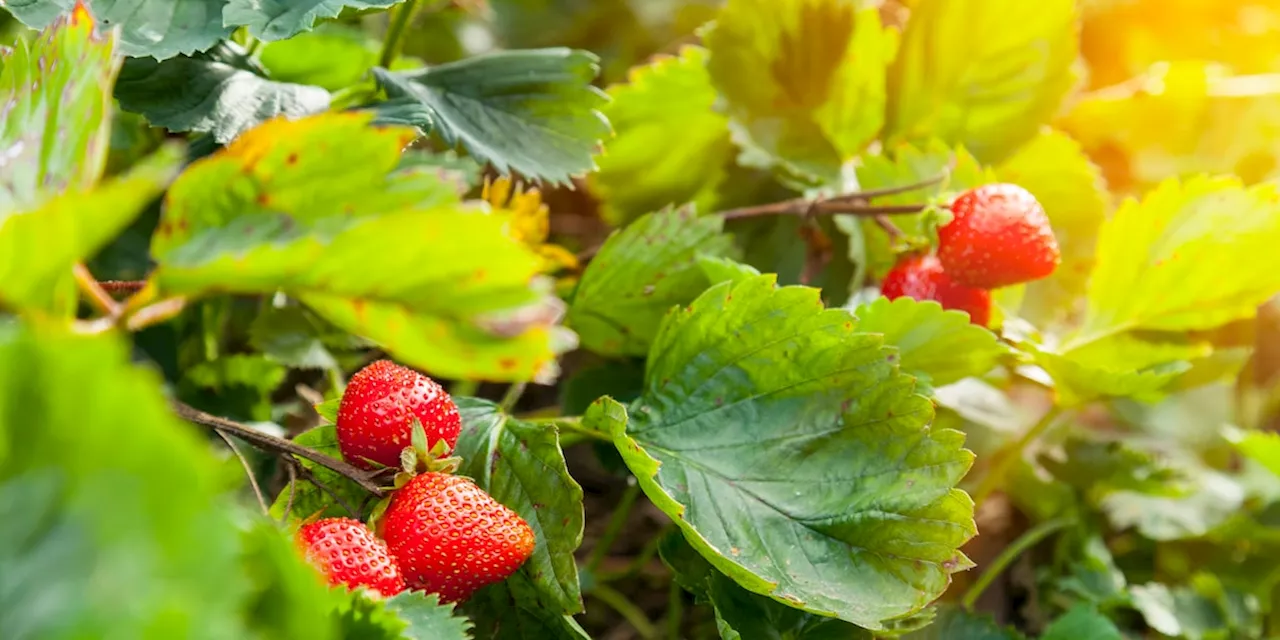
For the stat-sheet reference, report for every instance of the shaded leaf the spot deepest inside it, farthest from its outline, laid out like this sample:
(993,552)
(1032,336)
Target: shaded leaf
(39,247)
(55,110)
(793,455)
(1212,498)
(1100,467)
(1016,68)
(1201,610)
(521,465)
(671,146)
(815,96)
(372,249)
(218,92)
(156,28)
(1082,621)
(308,498)
(939,346)
(534,111)
(292,336)
(271,20)
(955,623)
(639,274)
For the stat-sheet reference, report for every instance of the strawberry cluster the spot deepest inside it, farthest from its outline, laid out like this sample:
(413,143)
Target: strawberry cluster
(441,533)
(998,236)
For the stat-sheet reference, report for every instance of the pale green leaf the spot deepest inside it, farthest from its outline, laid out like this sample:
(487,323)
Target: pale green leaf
(718,269)
(219,92)
(794,456)
(334,57)
(671,146)
(427,619)
(1188,256)
(984,74)
(1201,610)
(38,248)
(1123,365)
(1261,446)
(804,78)
(939,346)
(1054,168)
(521,465)
(271,20)
(1211,499)
(157,28)
(55,111)
(375,250)
(533,112)
(640,273)
(1082,621)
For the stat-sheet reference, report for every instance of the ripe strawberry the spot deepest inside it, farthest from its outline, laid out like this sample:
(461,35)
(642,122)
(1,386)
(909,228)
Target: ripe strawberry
(451,538)
(923,278)
(375,417)
(999,236)
(348,553)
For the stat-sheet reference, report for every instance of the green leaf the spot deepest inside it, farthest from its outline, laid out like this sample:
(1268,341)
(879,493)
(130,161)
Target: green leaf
(533,112)
(333,56)
(1099,467)
(640,273)
(307,497)
(292,336)
(124,553)
(428,619)
(329,410)
(1151,259)
(358,615)
(1054,168)
(718,269)
(501,612)
(54,94)
(1015,69)
(671,146)
(521,465)
(219,92)
(1260,446)
(157,28)
(272,20)
(1122,366)
(381,252)
(741,611)
(286,598)
(815,95)
(793,455)
(938,346)
(1082,621)
(38,248)
(1201,610)
(1211,499)
(954,623)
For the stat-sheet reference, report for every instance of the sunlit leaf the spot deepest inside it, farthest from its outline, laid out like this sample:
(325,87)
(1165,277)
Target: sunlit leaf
(55,110)
(1261,446)
(219,92)
(793,455)
(377,251)
(815,93)
(640,273)
(984,74)
(157,28)
(938,346)
(533,112)
(1121,366)
(333,56)
(279,19)
(671,145)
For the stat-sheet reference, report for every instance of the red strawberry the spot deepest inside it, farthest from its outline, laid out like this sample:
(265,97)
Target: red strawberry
(923,278)
(348,553)
(999,236)
(451,538)
(375,417)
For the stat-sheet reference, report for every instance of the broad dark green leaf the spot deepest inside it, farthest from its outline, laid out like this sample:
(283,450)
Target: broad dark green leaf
(55,111)
(271,20)
(1016,67)
(157,28)
(306,499)
(1082,621)
(375,249)
(815,93)
(639,274)
(130,539)
(671,146)
(954,623)
(938,346)
(509,611)
(742,614)
(794,456)
(533,112)
(427,619)
(219,92)
(39,247)
(521,465)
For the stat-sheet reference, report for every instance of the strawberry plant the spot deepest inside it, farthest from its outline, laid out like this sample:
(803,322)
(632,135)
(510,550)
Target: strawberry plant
(617,319)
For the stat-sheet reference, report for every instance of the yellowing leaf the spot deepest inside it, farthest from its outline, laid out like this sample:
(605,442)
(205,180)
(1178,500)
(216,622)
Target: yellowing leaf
(1189,256)
(528,221)
(805,78)
(671,146)
(984,74)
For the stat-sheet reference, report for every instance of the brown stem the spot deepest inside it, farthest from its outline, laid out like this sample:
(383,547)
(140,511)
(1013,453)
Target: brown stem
(122,286)
(248,470)
(895,234)
(277,445)
(101,300)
